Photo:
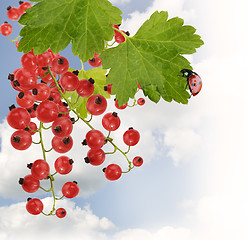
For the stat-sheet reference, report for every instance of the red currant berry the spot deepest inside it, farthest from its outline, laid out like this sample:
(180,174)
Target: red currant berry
(70,189)
(46,77)
(44,59)
(131,137)
(85,87)
(59,65)
(60,213)
(47,111)
(120,107)
(6,29)
(95,139)
(34,206)
(29,183)
(137,161)
(113,172)
(108,88)
(21,140)
(26,79)
(32,126)
(40,169)
(62,127)
(95,61)
(62,145)
(13,13)
(111,121)
(96,104)
(63,165)
(119,38)
(55,95)
(23,6)
(28,60)
(95,157)
(25,99)
(41,92)
(69,81)
(18,118)
(141,101)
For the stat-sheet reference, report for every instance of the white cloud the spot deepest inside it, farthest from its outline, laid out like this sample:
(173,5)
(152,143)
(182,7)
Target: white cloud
(183,144)
(174,8)
(119,1)
(17,223)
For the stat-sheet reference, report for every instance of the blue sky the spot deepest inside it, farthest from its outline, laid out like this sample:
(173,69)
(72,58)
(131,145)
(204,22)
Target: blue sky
(194,181)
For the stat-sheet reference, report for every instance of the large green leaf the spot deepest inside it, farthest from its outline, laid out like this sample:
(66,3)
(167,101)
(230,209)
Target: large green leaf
(153,58)
(56,23)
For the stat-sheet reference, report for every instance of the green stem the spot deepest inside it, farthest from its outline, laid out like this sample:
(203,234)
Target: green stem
(67,101)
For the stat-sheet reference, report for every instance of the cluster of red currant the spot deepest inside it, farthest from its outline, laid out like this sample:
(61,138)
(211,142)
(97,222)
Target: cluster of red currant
(41,95)
(14,13)
(42,83)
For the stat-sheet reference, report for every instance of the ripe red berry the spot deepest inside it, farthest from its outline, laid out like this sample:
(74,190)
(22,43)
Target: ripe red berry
(141,101)
(44,59)
(40,169)
(131,137)
(29,183)
(62,127)
(63,165)
(119,38)
(25,99)
(95,157)
(41,92)
(47,111)
(62,145)
(85,87)
(6,29)
(28,60)
(59,65)
(13,13)
(113,172)
(108,88)
(111,121)
(21,140)
(96,104)
(70,189)
(60,213)
(95,139)
(32,126)
(120,107)
(34,206)
(18,118)
(137,161)
(23,6)
(95,61)
(69,81)
(46,77)
(26,79)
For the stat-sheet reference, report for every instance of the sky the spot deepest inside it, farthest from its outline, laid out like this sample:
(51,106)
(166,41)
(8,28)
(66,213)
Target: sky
(194,181)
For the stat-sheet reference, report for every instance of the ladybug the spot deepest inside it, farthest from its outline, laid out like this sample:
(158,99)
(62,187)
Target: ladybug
(194,81)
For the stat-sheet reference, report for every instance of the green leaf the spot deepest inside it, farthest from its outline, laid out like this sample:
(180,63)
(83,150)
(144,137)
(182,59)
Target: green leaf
(99,77)
(55,23)
(153,58)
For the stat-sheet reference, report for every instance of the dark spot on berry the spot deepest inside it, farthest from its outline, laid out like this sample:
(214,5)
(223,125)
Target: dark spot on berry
(66,140)
(11,77)
(16,83)
(12,107)
(114,114)
(92,60)
(75,182)
(16,139)
(58,129)
(20,95)
(60,61)
(35,91)
(71,161)
(91,80)
(87,160)
(21,180)
(29,165)
(76,72)
(98,100)
(84,142)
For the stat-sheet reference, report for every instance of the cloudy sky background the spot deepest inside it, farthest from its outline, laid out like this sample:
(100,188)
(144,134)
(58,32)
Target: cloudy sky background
(194,181)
